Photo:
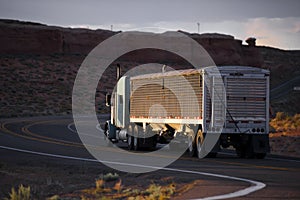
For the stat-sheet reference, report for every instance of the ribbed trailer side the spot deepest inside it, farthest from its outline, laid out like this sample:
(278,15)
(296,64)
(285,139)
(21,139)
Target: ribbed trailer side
(167,96)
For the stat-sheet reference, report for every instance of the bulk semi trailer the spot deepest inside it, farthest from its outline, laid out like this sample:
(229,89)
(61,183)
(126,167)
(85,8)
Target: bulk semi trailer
(188,105)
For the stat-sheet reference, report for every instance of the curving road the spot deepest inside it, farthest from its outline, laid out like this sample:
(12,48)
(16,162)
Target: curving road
(226,176)
(285,88)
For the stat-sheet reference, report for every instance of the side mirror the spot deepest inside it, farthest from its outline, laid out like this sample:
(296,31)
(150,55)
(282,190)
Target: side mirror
(107,99)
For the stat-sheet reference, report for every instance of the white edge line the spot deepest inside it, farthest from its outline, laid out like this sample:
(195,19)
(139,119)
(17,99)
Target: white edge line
(71,129)
(255,185)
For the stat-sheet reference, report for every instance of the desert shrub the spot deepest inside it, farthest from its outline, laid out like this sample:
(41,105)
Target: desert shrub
(23,193)
(280,116)
(285,122)
(109,177)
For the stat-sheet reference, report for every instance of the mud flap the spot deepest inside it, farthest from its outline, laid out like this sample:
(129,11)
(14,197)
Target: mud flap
(260,143)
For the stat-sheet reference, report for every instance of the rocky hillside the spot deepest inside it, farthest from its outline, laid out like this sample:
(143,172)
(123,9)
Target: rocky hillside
(38,65)
(18,37)
(285,75)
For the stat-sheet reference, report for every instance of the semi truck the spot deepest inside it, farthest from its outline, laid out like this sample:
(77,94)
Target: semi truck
(187,106)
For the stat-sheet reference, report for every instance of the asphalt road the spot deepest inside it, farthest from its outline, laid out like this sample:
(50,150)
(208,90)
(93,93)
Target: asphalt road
(275,177)
(284,89)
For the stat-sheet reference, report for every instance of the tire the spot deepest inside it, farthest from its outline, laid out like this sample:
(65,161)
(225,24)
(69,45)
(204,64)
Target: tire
(105,137)
(240,152)
(192,147)
(249,149)
(260,155)
(245,152)
(212,155)
(154,142)
(136,141)
(199,144)
(130,138)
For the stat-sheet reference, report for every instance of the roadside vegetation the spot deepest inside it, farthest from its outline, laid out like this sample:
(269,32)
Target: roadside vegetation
(285,135)
(284,123)
(23,193)
(111,186)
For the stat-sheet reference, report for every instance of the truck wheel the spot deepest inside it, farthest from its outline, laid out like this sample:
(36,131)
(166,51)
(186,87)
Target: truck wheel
(106,135)
(212,155)
(260,155)
(153,142)
(192,149)
(130,140)
(240,152)
(199,142)
(130,137)
(249,148)
(245,151)
(245,148)
(136,138)
(249,151)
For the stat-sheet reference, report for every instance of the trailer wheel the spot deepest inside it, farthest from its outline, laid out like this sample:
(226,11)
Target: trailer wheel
(130,138)
(199,142)
(192,150)
(130,141)
(245,150)
(136,142)
(260,155)
(240,152)
(154,140)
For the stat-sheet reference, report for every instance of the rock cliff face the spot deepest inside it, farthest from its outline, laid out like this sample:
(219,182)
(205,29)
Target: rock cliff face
(225,50)
(33,38)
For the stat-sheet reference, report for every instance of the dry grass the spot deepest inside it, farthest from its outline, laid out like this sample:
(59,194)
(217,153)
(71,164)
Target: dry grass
(285,132)
(110,186)
(23,193)
(118,191)
(283,123)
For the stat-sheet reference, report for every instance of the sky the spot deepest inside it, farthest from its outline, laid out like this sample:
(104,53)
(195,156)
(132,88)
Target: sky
(272,22)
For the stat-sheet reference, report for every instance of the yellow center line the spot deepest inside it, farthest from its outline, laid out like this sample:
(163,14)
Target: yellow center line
(63,142)
(26,130)
(3,128)
(45,139)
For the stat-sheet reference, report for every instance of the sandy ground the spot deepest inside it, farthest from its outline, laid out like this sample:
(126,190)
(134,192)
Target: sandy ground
(285,143)
(48,177)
